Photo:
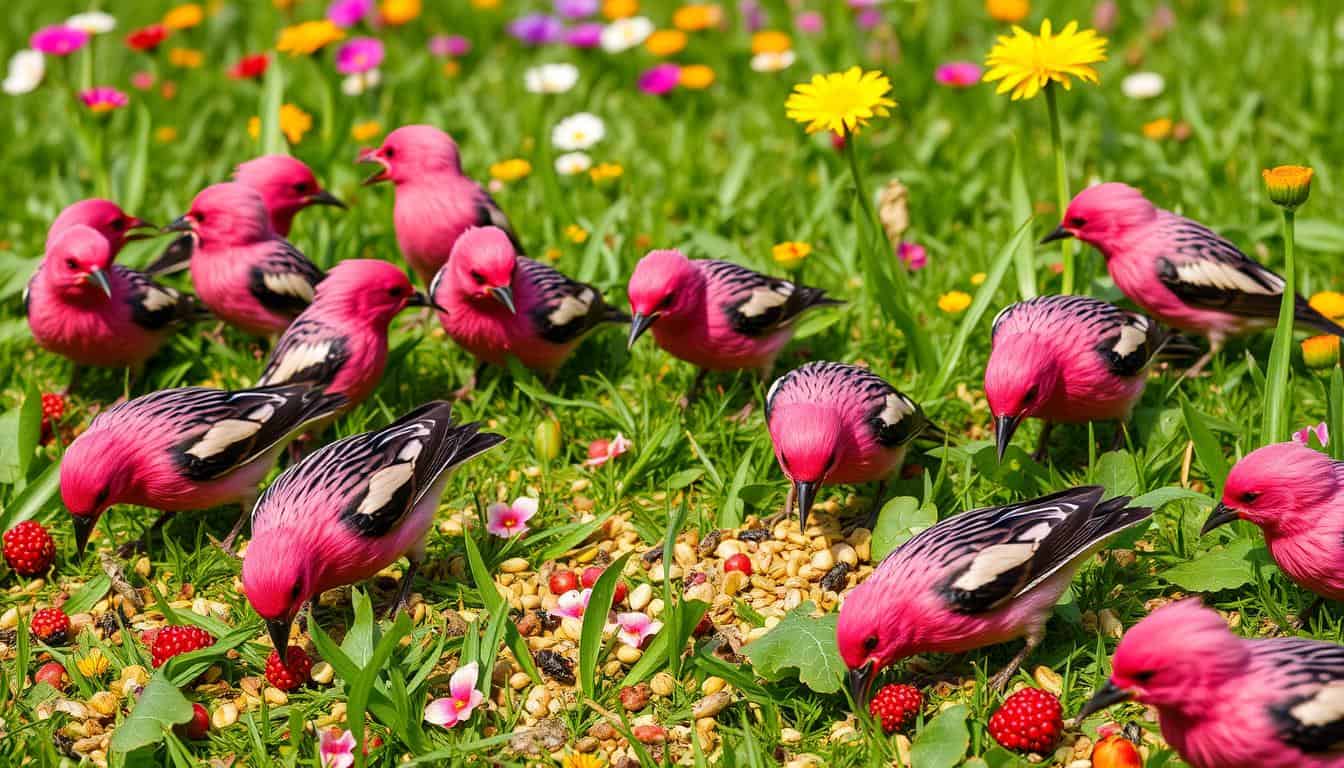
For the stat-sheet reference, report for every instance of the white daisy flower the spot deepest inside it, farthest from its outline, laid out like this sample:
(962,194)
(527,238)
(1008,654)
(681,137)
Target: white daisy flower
(360,82)
(624,34)
(573,163)
(93,22)
(578,131)
(551,78)
(771,61)
(26,70)
(1143,85)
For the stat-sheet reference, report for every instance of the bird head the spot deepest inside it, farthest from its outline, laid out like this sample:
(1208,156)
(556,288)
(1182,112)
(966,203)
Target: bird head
(1021,377)
(277,580)
(807,439)
(105,217)
(1102,213)
(78,260)
(369,290)
(227,214)
(664,284)
(1278,487)
(480,269)
(873,632)
(286,185)
(95,474)
(411,152)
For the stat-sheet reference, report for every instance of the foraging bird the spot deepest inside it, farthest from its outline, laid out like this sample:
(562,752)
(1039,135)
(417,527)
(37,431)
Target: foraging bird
(105,217)
(351,509)
(339,343)
(185,449)
(496,303)
(833,423)
(1069,359)
(435,201)
(976,579)
(1295,494)
(243,271)
(716,315)
(1228,702)
(1178,270)
(85,308)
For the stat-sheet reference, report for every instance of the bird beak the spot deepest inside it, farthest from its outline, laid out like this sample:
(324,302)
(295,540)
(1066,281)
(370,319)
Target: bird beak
(371,155)
(421,299)
(180,224)
(1060,233)
(638,325)
(279,631)
(504,295)
(83,529)
(134,224)
(1003,432)
(861,682)
(1221,515)
(1109,695)
(99,278)
(804,494)
(174,256)
(325,198)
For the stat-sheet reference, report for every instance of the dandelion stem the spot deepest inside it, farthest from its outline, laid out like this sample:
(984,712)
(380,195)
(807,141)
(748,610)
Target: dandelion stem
(1277,403)
(1061,185)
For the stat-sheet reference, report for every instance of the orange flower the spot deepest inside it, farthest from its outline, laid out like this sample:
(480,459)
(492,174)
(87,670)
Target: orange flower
(510,170)
(1321,352)
(308,38)
(619,9)
(1011,11)
(1158,129)
(398,12)
(790,254)
(1289,185)
(697,17)
(485,5)
(366,130)
(697,77)
(294,123)
(184,17)
(605,172)
(666,42)
(576,234)
(770,41)
(186,58)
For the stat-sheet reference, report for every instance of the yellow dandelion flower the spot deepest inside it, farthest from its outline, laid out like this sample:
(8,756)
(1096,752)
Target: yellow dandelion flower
(696,17)
(92,665)
(308,38)
(365,130)
(165,134)
(841,102)
(1288,185)
(510,170)
(1026,63)
(485,5)
(1158,129)
(605,172)
(254,127)
(619,9)
(186,58)
(294,123)
(577,760)
(979,278)
(1321,351)
(576,234)
(1328,303)
(696,77)
(1011,11)
(552,254)
(770,41)
(184,17)
(790,254)
(953,302)
(666,42)
(398,12)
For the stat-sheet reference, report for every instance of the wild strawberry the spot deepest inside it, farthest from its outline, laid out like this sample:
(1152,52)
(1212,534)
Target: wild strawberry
(293,673)
(896,706)
(563,581)
(1115,751)
(53,409)
(51,673)
(198,726)
(1030,720)
(51,626)
(738,562)
(28,548)
(173,640)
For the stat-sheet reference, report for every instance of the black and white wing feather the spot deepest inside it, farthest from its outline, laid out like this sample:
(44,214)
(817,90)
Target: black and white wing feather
(1126,341)
(756,304)
(1311,716)
(565,309)
(285,281)
(489,214)
(153,306)
(309,351)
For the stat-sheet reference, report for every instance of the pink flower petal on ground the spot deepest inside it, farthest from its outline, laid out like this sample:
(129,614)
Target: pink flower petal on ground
(337,751)
(636,627)
(441,712)
(573,603)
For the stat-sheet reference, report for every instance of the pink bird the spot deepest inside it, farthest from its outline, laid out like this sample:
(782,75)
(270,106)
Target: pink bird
(716,315)
(1178,270)
(184,449)
(980,578)
(85,308)
(496,303)
(1067,359)
(339,343)
(833,423)
(436,203)
(1227,702)
(244,272)
(104,216)
(351,509)
(1295,494)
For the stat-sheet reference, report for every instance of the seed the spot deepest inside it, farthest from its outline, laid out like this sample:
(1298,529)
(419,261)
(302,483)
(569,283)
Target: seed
(275,697)
(663,684)
(789,736)
(323,673)
(640,597)
(822,561)
(844,553)
(733,582)
(628,654)
(514,565)
(712,685)
(712,704)
(519,680)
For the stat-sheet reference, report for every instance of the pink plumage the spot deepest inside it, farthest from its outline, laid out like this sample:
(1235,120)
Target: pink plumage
(1295,494)
(244,272)
(980,578)
(1228,702)
(105,217)
(1178,270)
(1066,359)
(436,202)
(833,423)
(351,509)
(495,304)
(184,449)
(286,186)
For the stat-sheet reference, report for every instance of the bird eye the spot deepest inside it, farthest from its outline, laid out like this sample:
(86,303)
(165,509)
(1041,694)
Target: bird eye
(477,276)
(1077,221)
(200,218)
(870,643)
(1249,497)
(1030,396)
(389,153)
(394,291)
(301,188)
(294,593)
(71,264)
(666,302)
(1144,676)
(119,224)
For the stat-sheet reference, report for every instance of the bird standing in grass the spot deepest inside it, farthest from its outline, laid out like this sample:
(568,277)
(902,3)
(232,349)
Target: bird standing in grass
(716,315)
(496,303)
(833,423)
(1067,359)
(977,579)
(244,272)
(436,202)
(351,509)
(1227,702)
(105,217)
(1178,270)
(185,449)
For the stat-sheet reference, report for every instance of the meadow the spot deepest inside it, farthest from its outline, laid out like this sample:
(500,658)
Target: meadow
(957,186)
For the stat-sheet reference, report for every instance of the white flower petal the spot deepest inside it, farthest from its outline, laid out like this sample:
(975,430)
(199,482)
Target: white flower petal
(93,22)
(624,34)
(1143,85)
(26,70)
(573,163)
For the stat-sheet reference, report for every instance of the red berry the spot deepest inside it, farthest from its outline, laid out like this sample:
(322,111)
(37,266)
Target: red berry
(562,582)
(53,406)
(29,549)
(1030,720)
(896,706)
(51,626)
(590,576)
(198,725)
(621,591)
(170,641)
(1115,751)
(705,626)
(293,673)
(51,673)
(738,562)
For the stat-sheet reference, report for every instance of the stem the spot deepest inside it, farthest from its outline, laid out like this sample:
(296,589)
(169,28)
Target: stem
(1061,184)
(1278,405)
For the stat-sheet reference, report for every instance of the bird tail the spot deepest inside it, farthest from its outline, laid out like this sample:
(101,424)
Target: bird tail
(174,258)
(1178,349)
(815,297)
(932,433)
(1110,517)
(1305,314)
(1086,529)
(318,405)
(452,444)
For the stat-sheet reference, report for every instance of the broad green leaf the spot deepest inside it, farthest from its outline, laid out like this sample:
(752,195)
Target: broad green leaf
(1207,448)
(1116,471)
(160,706)
(684,478)
(1227,568)
(30,429)
(900,519)
(36,499)
(803,643)
(943,741)
(1161,497)
(594,621)
(272,98)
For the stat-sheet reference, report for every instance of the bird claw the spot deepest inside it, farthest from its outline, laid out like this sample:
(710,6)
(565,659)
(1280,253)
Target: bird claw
(226,546)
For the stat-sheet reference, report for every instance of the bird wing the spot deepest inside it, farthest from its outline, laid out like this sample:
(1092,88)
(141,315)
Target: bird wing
(309,351)
(154,306)
(489,214)
(893,417)
(566,309)
(757,304)
(285,280)
(1133,342)
(1125,341)
(1310,716)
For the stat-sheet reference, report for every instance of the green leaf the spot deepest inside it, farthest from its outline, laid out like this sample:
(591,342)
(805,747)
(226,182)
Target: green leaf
(730,514)
(272,98)
(30,429)
(900,519)
(133,193)
(160,706)
(805,644)
(1161,497)
(943,741)
(1227,568)
(566,537)
(88,595)
(1116,471)
(1335,406)
(35,500)
(493,604)
(1207,448)
(684,478)
(594,621)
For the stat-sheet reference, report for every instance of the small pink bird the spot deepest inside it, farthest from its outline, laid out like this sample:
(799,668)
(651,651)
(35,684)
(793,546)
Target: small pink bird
(716,315)
(339,343)
(436,202)
(1227,702)
(351,509)
(1067,359)
(1295,494)
(85,308)
(244,272)
(976,579)
(495,304)
(1178,270)
(833,423)
(104,216)
(184,449)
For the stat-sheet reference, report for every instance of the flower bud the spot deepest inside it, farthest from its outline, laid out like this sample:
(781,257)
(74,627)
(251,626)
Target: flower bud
(1321,352)
(1288,185)
(546,439)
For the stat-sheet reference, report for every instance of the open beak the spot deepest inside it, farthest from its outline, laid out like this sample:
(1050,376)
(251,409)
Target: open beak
(279,631)
(325,198)
(861,682)
(1221,515)
(1109,695)
(99,278)
(372,156)
(180,224)
(638,325)
(83,529)
(1003,433)
(804,495)
(1060,233)
(504,295)
(421,299)
(136,229)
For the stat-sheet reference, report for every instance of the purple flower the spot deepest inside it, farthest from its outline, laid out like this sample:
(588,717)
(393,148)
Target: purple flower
(58,40)
(576,9)
(587,35)
(359,55)
(348,13)
(869,18)
(753,18)
(103,99)
(508,521)
(914,256)
(537,29)
(449,45)
(958,74)
(809,22)
(660,79)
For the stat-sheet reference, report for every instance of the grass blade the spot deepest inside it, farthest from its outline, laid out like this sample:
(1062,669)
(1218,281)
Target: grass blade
(595,621)
(1278,408)
(495,604)
(1024,256)
(272,97)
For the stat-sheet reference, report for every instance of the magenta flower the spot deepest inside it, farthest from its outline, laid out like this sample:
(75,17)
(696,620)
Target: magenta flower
(587,35)
(337,749)
(58,40)
(869,18)
(1104,16)
(753,18)
(537,29)
(573,603)
(636,627)
(1321,431)
(958,74)
(660,79)
(103,99)
(809,22)
(576,9)
(359,55)
(348,13)
(602,451)
(914,256)
(449,45)
(507,521)
(462,699)
(142,80)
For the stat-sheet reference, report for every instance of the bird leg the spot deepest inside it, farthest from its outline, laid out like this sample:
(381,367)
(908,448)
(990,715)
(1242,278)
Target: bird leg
(404,593)
(142,544)
(465,391)
(74,380)
(1118,442)
(247,502)
(1215,346)
(999,681)
(1043,447)
(694,391)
